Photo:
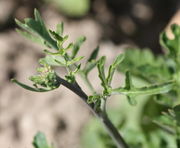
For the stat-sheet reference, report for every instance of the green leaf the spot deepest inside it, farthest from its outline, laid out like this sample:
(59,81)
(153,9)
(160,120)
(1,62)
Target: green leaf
(30,37)
(148,90)
(89,66)
(77,69)
(129,86)
(54,60)
(131,100)
(40,141)
(113,67)
(91,62)
(24,26)
(77,45)
(56,36)
(29,33)
(73,61)
(38,17)
(131,92)
(31,88)
(51,53)
(36,26)
(94,54)
(69,46)
(41,30)
(118,60)
(61,52)
(143,64)
(100,66)
(128,81)
(163,126)
(60,28)
(172,46)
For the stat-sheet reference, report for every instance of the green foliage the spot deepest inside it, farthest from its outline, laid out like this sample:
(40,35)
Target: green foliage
(172,46)
(47,79)
(158,117)
(36,30)
(91,62)
(77,46)
(113,67)
(72,8)
(40,141)
(143,64)
(129,90)
(157,112)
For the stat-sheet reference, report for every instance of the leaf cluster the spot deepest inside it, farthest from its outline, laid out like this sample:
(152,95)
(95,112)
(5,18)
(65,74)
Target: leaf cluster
(158,115)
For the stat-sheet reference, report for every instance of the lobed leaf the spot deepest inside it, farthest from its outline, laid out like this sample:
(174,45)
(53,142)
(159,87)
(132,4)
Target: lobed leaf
(31,37)
(41,30)
(37,27)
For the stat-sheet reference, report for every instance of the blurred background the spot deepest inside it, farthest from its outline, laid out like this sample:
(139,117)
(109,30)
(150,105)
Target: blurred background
(112,24)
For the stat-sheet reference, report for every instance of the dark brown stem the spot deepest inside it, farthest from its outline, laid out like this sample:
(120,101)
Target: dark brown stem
(112,130)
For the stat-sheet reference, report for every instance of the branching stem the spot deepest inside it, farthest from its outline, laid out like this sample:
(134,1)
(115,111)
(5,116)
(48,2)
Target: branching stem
(113,132)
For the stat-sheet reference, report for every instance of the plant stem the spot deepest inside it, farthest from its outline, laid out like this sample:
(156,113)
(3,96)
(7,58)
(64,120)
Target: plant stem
(112,130)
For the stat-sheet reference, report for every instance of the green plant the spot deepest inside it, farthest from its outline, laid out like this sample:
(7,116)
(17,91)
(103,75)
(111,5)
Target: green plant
(146,68)
(72,8)
(40,141)
(155,119)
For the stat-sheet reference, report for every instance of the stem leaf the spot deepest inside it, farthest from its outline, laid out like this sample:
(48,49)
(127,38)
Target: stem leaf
(29,87)
(148,90)
(113,67)
(60,28)
(100,66)
(94,54)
